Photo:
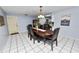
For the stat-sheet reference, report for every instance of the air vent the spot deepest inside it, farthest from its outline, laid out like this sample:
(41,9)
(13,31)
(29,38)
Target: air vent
(26,14)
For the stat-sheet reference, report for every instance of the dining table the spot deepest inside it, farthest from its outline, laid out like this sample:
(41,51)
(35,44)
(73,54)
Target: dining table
(43,33)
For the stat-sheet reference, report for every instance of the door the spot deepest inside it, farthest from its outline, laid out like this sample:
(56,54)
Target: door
(12,24)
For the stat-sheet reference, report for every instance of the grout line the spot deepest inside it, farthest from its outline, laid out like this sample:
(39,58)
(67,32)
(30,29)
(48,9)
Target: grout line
(40,48)
(63,46)
(40,44)
(9,37)
(28,43)
(23,36)
(15,40)
(17,43)
(58,42)
(22,42)
(61,39)
(10,43)
(72,46)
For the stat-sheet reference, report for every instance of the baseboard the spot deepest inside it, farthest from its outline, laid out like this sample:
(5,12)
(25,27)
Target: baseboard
(14,33)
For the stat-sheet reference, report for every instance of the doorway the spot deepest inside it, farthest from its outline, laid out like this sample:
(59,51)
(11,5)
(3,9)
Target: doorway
(12,25)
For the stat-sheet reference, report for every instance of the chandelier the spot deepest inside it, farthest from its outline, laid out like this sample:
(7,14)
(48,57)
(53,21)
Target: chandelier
(41,16)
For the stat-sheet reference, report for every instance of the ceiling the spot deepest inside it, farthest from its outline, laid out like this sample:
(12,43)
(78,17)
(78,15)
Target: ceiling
(33,10)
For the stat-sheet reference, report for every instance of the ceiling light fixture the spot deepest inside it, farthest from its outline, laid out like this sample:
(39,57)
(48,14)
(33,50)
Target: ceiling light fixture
(41,16)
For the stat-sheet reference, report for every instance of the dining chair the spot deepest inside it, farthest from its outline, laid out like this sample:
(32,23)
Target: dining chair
(53,38)
(33,36)
(41,26)
(29,27)
(47,27)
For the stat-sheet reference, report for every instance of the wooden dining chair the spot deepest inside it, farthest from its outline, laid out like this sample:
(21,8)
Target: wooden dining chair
(47,27)
(34,37)
(29,27)
(53,38)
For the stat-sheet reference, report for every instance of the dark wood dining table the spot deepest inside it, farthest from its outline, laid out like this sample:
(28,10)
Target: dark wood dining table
(43,33)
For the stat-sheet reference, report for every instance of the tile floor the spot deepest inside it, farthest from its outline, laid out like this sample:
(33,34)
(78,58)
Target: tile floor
(20,43)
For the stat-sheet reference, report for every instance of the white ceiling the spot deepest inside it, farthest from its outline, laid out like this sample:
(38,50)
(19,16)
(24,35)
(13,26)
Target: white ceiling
(33,10)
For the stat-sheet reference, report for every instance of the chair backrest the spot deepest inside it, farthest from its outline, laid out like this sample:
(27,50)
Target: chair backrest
(56,31)
(29,27)
(32,34)
(41,26)
(30,31)
(47,26)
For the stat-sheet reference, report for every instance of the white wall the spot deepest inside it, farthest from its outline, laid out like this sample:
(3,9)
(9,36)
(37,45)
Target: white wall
(23,21)
(73,29)
(3,31)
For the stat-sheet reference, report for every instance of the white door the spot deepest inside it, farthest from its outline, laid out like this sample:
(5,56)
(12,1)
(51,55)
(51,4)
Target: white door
(12,24)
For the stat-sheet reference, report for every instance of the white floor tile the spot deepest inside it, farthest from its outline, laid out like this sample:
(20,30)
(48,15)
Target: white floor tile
(20,43)
(55,50)
(65,51)
(28,48)
(74,51)
(31,51)
(36,49)
(6,50)
(13,51)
